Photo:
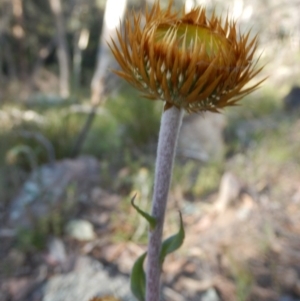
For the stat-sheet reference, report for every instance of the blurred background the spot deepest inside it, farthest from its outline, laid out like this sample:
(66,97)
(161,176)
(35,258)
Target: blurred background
(76,143)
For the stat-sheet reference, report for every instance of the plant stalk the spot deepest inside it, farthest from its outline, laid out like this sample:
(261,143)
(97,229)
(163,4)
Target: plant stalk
(169,129)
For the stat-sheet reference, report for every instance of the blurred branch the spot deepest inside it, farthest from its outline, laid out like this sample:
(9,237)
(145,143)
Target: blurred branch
(5,16)
(18,33)
(62,48)
(1,61)
(8,58)
(80,44)
(42,140)
(13,153)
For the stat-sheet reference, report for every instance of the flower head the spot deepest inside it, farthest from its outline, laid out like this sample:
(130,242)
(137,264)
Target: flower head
(188,60)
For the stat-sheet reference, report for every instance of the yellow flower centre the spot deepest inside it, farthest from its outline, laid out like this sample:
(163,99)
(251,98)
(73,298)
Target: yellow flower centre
(195,39)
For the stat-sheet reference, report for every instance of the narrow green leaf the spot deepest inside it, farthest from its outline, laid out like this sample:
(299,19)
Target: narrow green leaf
(172,243)
(151,220)
(138,279)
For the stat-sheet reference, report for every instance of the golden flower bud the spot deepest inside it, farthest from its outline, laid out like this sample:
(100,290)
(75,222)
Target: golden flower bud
(188,60)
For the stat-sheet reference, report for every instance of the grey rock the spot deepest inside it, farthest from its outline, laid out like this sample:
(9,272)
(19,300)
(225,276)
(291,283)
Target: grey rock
(201,137)
(290,279)
(57,251)
(292,100)
(210,295)
(47,187)
(288,298)
(81,230)
(90,279)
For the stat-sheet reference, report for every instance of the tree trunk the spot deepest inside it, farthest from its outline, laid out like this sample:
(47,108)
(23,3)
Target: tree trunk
(43,54)
(9,59)
(62,49)
(1,63)
(19,34)
(81,40)
(113,16)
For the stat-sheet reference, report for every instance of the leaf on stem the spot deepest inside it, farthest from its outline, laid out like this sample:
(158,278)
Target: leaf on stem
(138,278)
(151,220)
(172,243)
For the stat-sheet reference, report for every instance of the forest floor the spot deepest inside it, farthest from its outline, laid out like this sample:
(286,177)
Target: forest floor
(242,238)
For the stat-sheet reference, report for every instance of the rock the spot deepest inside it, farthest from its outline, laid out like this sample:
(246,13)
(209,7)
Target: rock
(11,262)
(297,288)
(201,137)
(56,251)
(88,280)
(15,259)
(226,288)
(170,294)
(292,100)
(47,188)
(19,288)
(81,230)
(289,280)
(247,206)
(210,295)
(288,298)
(104,199)
(192,285)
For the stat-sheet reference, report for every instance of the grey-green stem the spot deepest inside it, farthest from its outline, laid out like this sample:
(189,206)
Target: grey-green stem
(169,129)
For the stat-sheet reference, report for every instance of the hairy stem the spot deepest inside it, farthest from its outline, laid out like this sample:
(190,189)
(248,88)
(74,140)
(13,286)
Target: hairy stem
(169,129)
